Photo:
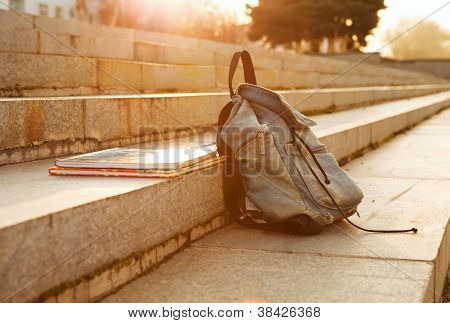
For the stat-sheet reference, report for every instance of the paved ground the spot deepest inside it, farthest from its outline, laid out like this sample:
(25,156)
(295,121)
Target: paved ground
(406,183)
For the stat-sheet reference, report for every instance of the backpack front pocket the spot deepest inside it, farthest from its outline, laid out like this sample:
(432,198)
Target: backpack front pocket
(341,187)
(266,180)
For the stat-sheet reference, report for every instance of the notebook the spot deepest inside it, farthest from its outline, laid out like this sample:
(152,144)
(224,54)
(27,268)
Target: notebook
(138,173)
(141,159)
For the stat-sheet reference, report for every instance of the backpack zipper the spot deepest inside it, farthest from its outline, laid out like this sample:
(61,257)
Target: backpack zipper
(260,137)
(261,143)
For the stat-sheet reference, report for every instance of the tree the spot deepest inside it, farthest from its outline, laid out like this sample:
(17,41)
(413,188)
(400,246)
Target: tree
(287,22)
(427,40)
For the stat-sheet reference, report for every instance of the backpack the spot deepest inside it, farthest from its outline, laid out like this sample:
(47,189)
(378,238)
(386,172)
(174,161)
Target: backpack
(277,174)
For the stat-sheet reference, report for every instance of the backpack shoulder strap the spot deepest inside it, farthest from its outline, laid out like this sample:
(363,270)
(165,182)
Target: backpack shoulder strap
(249,69)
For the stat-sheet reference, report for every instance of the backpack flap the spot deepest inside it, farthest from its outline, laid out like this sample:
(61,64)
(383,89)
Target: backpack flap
(275,103)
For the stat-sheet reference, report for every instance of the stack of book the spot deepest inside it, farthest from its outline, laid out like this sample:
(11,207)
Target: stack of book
(139,162)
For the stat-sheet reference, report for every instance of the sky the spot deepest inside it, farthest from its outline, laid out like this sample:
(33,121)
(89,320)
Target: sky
(398,9)
(395,11)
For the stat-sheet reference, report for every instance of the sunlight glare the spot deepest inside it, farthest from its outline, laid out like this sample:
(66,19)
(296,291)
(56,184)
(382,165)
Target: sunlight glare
(236,8)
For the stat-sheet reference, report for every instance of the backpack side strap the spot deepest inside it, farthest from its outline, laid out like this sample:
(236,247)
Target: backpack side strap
(249,69)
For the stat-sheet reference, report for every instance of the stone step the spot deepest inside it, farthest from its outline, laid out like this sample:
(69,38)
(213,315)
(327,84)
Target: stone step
(36,34)
(406,183)
(326,68)
(40,128)
(52,49)
(56,75)
(44,35)
(67,238)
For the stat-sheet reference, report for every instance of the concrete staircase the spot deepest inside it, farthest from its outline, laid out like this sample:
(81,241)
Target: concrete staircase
(80,239)
(116,229)
(42,56)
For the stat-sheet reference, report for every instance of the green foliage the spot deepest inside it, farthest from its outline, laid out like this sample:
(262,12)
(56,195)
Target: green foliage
(410,39)
(284,22)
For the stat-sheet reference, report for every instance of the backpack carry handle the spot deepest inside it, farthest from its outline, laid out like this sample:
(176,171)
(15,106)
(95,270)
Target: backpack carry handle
(249,69)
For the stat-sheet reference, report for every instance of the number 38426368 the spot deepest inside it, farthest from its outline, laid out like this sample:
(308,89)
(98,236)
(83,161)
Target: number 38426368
(288,311)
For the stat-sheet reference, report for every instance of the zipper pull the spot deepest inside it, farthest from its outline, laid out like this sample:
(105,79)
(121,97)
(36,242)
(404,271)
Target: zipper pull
(261,143)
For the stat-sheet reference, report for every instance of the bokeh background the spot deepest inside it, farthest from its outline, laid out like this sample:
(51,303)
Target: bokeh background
(324,27)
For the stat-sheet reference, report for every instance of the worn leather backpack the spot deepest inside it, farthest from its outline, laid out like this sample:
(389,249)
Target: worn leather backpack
(278,175)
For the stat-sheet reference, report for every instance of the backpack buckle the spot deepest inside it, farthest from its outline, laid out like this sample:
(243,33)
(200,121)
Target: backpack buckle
(237,99)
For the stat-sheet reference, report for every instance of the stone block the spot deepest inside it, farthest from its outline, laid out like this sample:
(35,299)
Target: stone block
(346,80)
(56,44)
(268,78)
(222,77)
(222,58)
(298,63)
(245,275)
(343,98)
(329,66)
(176,78)
(67,296)
(216,223)
(15,40)
(166,249)
(187,56)
(100,285)
(291,80)
(72,27)
(103,47)
(62,119)
(307,101)
(31,153)
(82,292)
(183,240)
(168,54)
(148,260)
(148,52)
(12,126)
(119,75)
(120,275)
(387,127)
(44,151)
(35,121)
(4,157)
(198,232)
(265,61)
(17,20)
(442,265)
(106,119)
(364,96)
(346,142)
(418,115)
(17,156)
(24,71)
(326,80)
(135,268)
(200,110)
